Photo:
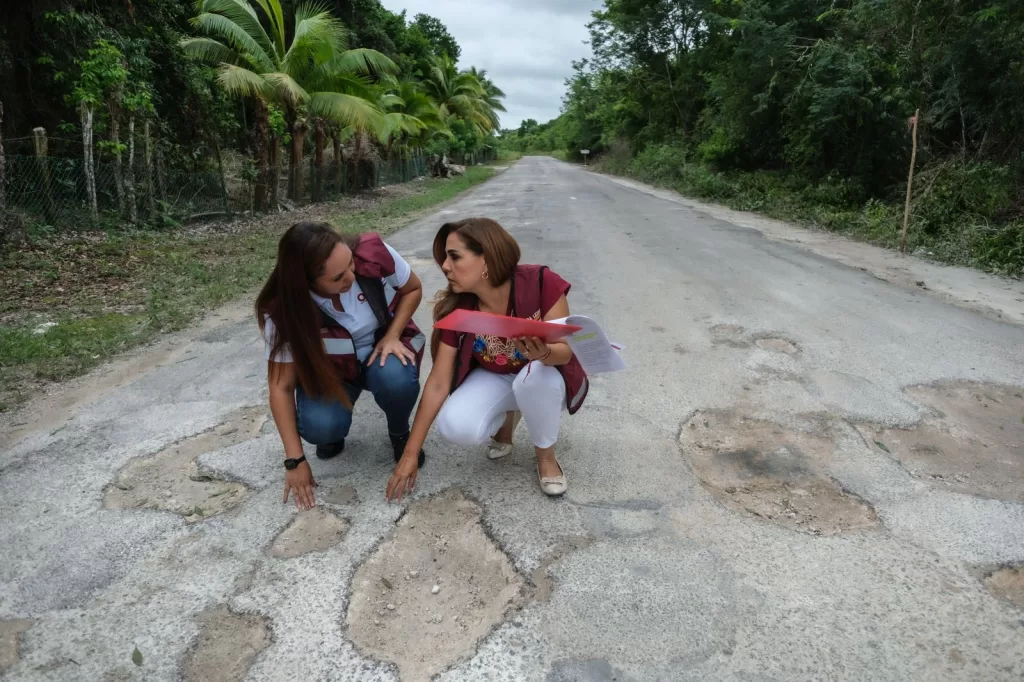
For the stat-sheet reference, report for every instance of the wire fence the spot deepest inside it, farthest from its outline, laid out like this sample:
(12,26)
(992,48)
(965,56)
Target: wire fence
(52,193)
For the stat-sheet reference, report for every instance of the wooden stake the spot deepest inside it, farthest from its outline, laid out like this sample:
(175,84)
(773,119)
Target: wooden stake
(910,182)
(150,189)
(42,150)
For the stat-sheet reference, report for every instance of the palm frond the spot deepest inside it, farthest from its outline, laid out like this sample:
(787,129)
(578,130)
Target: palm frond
(236,37)
(286,89)
(318,38)
(208,50)
(272,9)
(241,82)
(364,61)
(241,13)
(346,110)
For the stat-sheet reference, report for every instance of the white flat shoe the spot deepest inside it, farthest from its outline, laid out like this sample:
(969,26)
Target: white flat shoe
(496,449)
(553,486)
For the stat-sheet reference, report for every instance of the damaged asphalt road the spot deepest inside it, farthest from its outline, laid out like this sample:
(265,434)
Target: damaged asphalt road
(806,473)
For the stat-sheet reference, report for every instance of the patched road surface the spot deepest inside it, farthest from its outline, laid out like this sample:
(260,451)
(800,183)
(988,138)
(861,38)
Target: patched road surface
(807,473)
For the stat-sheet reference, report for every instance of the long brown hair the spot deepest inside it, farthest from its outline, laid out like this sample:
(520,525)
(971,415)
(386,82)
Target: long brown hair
(484,237)
(301,254)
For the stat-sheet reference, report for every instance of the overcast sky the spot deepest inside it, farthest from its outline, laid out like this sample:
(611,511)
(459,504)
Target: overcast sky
(526,46)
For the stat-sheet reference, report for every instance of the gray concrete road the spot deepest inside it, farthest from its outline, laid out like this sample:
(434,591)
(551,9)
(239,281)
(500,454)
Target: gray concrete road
(806,473)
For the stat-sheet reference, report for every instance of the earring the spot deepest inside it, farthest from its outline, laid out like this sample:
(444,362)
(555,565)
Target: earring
(485,275)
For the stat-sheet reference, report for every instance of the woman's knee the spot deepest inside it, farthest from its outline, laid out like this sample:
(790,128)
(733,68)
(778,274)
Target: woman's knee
(459,427)
(322,422)
(394,378)
(539,382)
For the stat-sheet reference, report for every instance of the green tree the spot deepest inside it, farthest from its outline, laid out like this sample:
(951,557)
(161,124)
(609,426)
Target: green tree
(438,36)
(309,71)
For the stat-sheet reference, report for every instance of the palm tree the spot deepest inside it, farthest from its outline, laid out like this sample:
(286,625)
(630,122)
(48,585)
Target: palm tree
(309,72)
(458,95)
(410,114)
(492,96)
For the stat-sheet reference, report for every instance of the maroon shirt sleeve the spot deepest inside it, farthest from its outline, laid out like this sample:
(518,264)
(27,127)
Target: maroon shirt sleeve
(450,338)
(554,288)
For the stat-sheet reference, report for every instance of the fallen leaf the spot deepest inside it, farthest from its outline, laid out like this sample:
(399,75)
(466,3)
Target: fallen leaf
(881,445)
(137,657)
(387,583)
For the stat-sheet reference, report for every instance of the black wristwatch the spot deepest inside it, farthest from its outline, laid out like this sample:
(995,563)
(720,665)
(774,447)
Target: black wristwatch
(290,463)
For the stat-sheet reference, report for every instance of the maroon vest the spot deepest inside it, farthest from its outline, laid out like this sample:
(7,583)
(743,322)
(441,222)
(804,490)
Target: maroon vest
(527,285)
(373,261)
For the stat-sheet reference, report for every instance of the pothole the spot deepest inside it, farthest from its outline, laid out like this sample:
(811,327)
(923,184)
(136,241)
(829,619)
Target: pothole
(777,345)
(974,443)
(729,335)
(1008,584)
(171,481)
(772,471)
(341,496)
(312,530)
(10,634)
(227,645)
(432,590)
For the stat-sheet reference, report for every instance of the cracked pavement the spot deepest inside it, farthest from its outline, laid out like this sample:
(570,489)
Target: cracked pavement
(673,555)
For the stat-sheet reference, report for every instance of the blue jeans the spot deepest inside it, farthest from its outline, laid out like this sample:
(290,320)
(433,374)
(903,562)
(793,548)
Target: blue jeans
(395,388)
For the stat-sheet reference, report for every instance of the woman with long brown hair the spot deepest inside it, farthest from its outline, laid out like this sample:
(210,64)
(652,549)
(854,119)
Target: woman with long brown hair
(336,315)
(479,386)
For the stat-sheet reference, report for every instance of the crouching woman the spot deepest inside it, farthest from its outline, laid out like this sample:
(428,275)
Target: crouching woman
(336,315)
(479,386)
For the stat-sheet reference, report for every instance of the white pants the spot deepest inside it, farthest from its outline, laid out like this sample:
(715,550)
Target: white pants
(476,410)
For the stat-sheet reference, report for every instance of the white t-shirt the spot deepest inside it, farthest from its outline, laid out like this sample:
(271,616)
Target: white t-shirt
(357,318)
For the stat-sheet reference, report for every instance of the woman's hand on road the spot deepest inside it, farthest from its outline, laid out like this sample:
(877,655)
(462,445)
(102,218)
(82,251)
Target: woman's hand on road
(300,483)
(391,346)
(404,479)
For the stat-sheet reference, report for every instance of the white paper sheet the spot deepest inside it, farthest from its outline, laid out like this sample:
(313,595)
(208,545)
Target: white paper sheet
(591,346)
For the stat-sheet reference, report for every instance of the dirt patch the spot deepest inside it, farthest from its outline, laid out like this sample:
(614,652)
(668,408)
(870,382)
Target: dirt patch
(731,335)
(1008,584)
(10,633)
(972,443)
(171,481)
(226,646)
(432,590)
(777,345)
(342,496)
(543,585)
(312,530)
(772,471)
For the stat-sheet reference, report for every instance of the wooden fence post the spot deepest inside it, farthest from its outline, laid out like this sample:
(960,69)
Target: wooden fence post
(3,180)
(910,182)
(42,150)
(89,160)
(150,188)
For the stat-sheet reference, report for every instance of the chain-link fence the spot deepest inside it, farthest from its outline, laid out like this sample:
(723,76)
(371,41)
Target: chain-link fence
(53,192)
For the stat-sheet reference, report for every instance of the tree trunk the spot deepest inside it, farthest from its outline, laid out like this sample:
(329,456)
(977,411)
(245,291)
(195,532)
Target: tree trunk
(261,133)
(133,207)
(90,168)
(318,161)
(3,181)
(275,170)
(336,141)
(296,187)
(150,189)
(114,106)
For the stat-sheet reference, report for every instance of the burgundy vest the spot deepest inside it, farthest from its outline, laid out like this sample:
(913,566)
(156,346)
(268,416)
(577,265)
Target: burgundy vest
(373,261)
(527,285)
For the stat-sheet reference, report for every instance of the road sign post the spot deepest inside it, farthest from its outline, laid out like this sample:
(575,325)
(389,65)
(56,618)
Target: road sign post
(586,155)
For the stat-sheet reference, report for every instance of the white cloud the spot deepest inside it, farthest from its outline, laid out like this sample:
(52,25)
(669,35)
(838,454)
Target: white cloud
(526,46)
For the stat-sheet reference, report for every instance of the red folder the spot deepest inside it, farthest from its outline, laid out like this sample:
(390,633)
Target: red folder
(488,324)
